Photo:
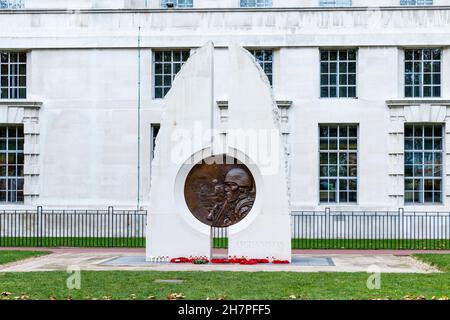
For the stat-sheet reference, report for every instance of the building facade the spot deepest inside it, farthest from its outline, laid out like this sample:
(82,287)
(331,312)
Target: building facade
(363,91)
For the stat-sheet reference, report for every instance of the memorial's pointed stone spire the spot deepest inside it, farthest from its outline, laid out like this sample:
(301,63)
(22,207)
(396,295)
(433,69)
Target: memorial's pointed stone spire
(254,133)
(172,230)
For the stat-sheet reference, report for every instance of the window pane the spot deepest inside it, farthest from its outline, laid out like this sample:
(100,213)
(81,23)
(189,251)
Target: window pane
(422,73)
(423,162)
(166,66)
(255,3)
(338,163)
(264,59)
(338,73)
(11,163)
(12,75)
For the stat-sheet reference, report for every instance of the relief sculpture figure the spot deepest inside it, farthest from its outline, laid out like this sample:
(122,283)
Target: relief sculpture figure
(220,195)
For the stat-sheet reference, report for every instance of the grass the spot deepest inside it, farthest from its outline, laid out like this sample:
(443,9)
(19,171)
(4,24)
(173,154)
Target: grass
(13,256)
(228,285)
(222,243)
(441,261)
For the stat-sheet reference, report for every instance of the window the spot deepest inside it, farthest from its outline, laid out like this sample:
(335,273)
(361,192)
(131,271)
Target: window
(338,163)
(423,163)
(166,66)
(11,163)
(12,4)
(423,73)
(265,60)
(255,3)
(335,3)
(177,3)
(13,75)
(338,73)
(416,2)
(154,130)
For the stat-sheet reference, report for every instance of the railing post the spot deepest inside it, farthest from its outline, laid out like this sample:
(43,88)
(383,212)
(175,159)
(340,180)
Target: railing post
(401,229)
(110,225)
(39,225)
(327,222)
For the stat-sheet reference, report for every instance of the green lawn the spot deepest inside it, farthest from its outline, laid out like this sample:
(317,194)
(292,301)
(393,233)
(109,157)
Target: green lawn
(228,285)
(13,256)
(441,261)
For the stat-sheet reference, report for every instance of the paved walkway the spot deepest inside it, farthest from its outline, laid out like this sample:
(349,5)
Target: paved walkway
(133,260)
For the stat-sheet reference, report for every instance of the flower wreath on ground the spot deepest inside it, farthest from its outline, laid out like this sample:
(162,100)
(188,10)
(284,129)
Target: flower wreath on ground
(230,260)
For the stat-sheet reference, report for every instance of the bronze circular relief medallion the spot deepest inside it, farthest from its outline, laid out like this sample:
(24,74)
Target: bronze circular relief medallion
(220,193)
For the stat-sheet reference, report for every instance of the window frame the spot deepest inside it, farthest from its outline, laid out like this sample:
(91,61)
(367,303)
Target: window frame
(403,75)
(338,203)
(337,71)
(443,163)
(408,3)
(336,4)
(12,4)
(153,81)
(18,128)
(163,4)
(254,50)
(266,5)
(19,75)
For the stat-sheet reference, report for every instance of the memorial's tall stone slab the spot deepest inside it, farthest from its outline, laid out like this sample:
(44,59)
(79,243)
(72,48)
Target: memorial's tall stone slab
(219,169)
(252,108)
(172,230)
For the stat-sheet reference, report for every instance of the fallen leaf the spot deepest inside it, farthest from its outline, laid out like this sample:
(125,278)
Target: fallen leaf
(175,296)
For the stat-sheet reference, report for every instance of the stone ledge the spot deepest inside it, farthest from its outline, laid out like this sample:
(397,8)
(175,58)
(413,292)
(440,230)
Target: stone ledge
(21,103)
(414,102)
(282,104)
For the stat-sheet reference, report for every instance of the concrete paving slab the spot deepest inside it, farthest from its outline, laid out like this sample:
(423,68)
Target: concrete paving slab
(101,261)
(140,261)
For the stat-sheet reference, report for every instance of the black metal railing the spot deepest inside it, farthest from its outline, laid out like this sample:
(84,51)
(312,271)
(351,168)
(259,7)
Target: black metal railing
(220,238)
(370,230)
(309,229)
(72,228)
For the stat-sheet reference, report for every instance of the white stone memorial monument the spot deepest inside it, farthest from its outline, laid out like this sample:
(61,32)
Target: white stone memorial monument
(219,165)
